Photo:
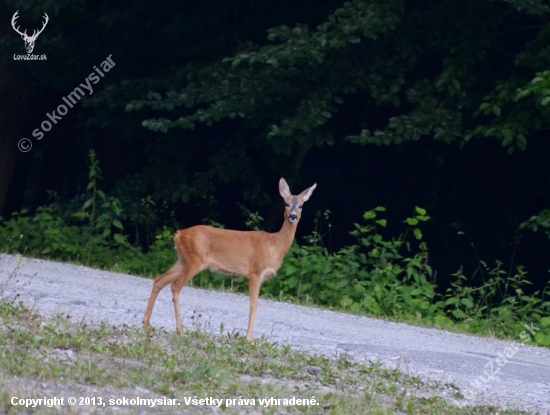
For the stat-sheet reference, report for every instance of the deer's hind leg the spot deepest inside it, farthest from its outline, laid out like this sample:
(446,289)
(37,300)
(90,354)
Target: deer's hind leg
(191,269)
(169,277)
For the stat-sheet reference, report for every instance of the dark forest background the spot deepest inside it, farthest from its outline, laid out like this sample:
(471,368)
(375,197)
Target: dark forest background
(437,104)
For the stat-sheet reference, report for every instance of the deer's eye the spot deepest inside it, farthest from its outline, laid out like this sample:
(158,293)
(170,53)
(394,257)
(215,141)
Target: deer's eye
(287,204)
(300,207)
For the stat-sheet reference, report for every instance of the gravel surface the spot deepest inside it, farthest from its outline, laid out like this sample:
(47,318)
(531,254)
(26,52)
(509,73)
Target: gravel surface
(487,371)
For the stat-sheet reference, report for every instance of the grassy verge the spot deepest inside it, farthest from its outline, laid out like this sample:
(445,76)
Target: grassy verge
(57,357)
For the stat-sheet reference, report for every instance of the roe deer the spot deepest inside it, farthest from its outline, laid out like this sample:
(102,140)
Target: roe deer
(256,255)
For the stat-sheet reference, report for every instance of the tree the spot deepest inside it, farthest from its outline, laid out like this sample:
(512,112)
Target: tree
(420,74)
(446,70)
(148,42)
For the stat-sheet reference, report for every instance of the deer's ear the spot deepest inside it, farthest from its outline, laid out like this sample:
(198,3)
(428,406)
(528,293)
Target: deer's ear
(305,195)
(284,189)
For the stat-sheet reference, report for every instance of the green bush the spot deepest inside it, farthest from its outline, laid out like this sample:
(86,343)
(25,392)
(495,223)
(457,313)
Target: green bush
(377,276)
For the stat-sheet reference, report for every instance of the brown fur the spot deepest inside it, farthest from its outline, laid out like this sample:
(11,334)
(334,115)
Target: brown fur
(254,254)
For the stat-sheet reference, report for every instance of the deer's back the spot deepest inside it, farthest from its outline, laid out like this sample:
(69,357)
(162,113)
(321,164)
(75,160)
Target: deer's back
(227,251)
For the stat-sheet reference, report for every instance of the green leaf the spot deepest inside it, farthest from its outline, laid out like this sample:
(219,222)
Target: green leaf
(412,221)
(458,314)
(542,339)
(292,282)
(369,215)
(346,301)
(377,238)
(443,321)
(420,211)
(117,224)
(119,238)
(88,203)
(382,222)
(417,233)
(290,269)
(545,321)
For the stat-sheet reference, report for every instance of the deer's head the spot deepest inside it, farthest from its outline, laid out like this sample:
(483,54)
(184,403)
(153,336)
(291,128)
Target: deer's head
(293,204)
(29,40)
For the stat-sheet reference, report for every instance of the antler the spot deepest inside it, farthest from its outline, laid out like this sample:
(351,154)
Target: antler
(36,33)
(13,19)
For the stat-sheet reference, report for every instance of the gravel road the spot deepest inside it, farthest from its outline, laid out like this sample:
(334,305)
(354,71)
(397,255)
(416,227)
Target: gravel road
(521,374)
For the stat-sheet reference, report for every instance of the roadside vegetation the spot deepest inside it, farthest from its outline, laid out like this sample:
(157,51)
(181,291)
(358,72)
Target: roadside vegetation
(381,275)
(65,358)
(335,83)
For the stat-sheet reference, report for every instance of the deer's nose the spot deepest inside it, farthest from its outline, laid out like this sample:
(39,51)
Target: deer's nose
(293,216)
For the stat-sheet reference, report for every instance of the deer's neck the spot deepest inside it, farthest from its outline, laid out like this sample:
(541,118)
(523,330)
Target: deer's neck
(285,236)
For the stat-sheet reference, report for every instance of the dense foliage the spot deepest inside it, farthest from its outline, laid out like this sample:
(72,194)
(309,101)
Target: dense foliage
(397,103)
(377,276)
(310,101)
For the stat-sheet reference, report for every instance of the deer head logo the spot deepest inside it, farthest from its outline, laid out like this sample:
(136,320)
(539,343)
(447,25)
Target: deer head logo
(29,40)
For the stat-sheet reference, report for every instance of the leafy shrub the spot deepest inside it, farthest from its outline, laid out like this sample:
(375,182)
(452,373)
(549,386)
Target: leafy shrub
(389,278)
(91,234)
(375,276)
(378,276)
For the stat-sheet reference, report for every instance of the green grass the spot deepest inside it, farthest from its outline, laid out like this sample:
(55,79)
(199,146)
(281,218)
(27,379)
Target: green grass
(37,354)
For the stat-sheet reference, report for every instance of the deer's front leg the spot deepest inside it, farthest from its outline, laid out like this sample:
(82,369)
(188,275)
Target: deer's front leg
(254,285)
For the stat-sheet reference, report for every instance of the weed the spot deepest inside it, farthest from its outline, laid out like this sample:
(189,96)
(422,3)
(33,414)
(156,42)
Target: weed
(381,276)
(107,359)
